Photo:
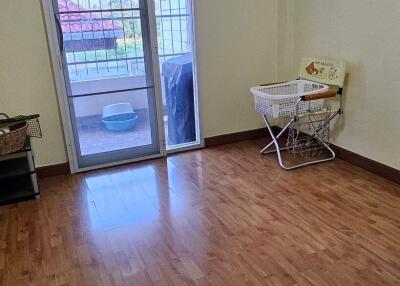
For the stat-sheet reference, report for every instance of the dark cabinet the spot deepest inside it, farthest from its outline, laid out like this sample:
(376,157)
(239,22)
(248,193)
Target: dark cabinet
(18,180)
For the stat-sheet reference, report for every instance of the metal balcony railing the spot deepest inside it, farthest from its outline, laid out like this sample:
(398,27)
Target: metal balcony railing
(103,38)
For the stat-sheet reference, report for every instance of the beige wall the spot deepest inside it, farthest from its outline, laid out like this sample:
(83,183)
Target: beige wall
(236,46)
(237,49)
(285,39)
(240,43)
(366,35)
(26,81)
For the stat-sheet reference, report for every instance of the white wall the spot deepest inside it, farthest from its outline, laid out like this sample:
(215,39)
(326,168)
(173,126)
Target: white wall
(365,34)
(286,29)
(93,105)
(237,48)
(240,43)
(26,80)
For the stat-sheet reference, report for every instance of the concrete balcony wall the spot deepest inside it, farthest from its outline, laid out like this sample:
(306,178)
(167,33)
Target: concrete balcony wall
(93,105)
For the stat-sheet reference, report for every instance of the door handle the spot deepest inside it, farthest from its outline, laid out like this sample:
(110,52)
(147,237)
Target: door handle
(59,32)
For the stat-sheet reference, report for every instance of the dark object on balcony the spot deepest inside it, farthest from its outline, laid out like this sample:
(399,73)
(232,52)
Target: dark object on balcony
(178,80)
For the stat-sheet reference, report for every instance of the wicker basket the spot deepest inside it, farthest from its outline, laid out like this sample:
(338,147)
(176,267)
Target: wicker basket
(14,140)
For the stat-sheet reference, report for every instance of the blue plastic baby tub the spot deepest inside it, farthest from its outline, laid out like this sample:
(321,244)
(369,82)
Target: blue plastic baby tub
(119,117)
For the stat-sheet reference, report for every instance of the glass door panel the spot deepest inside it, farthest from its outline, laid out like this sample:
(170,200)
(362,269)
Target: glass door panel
(175,48)
(119,127)
(107,59)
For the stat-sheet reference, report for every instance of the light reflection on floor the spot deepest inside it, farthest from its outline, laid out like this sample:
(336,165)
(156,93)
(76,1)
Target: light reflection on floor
(139,196)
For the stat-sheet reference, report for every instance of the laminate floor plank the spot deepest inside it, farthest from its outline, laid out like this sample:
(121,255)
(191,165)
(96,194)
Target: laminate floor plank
(217,216)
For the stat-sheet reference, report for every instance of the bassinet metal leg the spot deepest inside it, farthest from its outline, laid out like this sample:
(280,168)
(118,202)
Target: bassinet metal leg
(278,149)
(274,141)
(264,150)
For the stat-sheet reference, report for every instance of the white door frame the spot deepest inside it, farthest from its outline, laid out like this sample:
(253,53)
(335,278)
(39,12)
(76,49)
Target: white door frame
(61,88)
(58,72)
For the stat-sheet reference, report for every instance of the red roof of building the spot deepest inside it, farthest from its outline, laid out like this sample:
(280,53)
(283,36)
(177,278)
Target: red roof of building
(83,22)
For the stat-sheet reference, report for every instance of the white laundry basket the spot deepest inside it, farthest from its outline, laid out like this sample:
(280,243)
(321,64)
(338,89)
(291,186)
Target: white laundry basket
(280,100)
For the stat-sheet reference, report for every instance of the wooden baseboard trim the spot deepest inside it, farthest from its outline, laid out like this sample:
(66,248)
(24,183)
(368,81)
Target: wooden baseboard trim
(53,170)
(367,164)
(234,137)
(375,167)
(63,168)
(346,155)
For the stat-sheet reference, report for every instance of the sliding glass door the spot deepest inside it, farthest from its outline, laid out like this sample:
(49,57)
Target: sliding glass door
(108,61)
(125,74)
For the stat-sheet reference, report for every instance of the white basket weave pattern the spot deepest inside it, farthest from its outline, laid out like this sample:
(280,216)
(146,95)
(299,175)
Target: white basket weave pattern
(280,100)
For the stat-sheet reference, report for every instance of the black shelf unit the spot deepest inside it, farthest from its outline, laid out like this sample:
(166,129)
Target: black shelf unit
(18,180)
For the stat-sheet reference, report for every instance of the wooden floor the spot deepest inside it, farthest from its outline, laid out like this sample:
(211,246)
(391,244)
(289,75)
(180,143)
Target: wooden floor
(220,216)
